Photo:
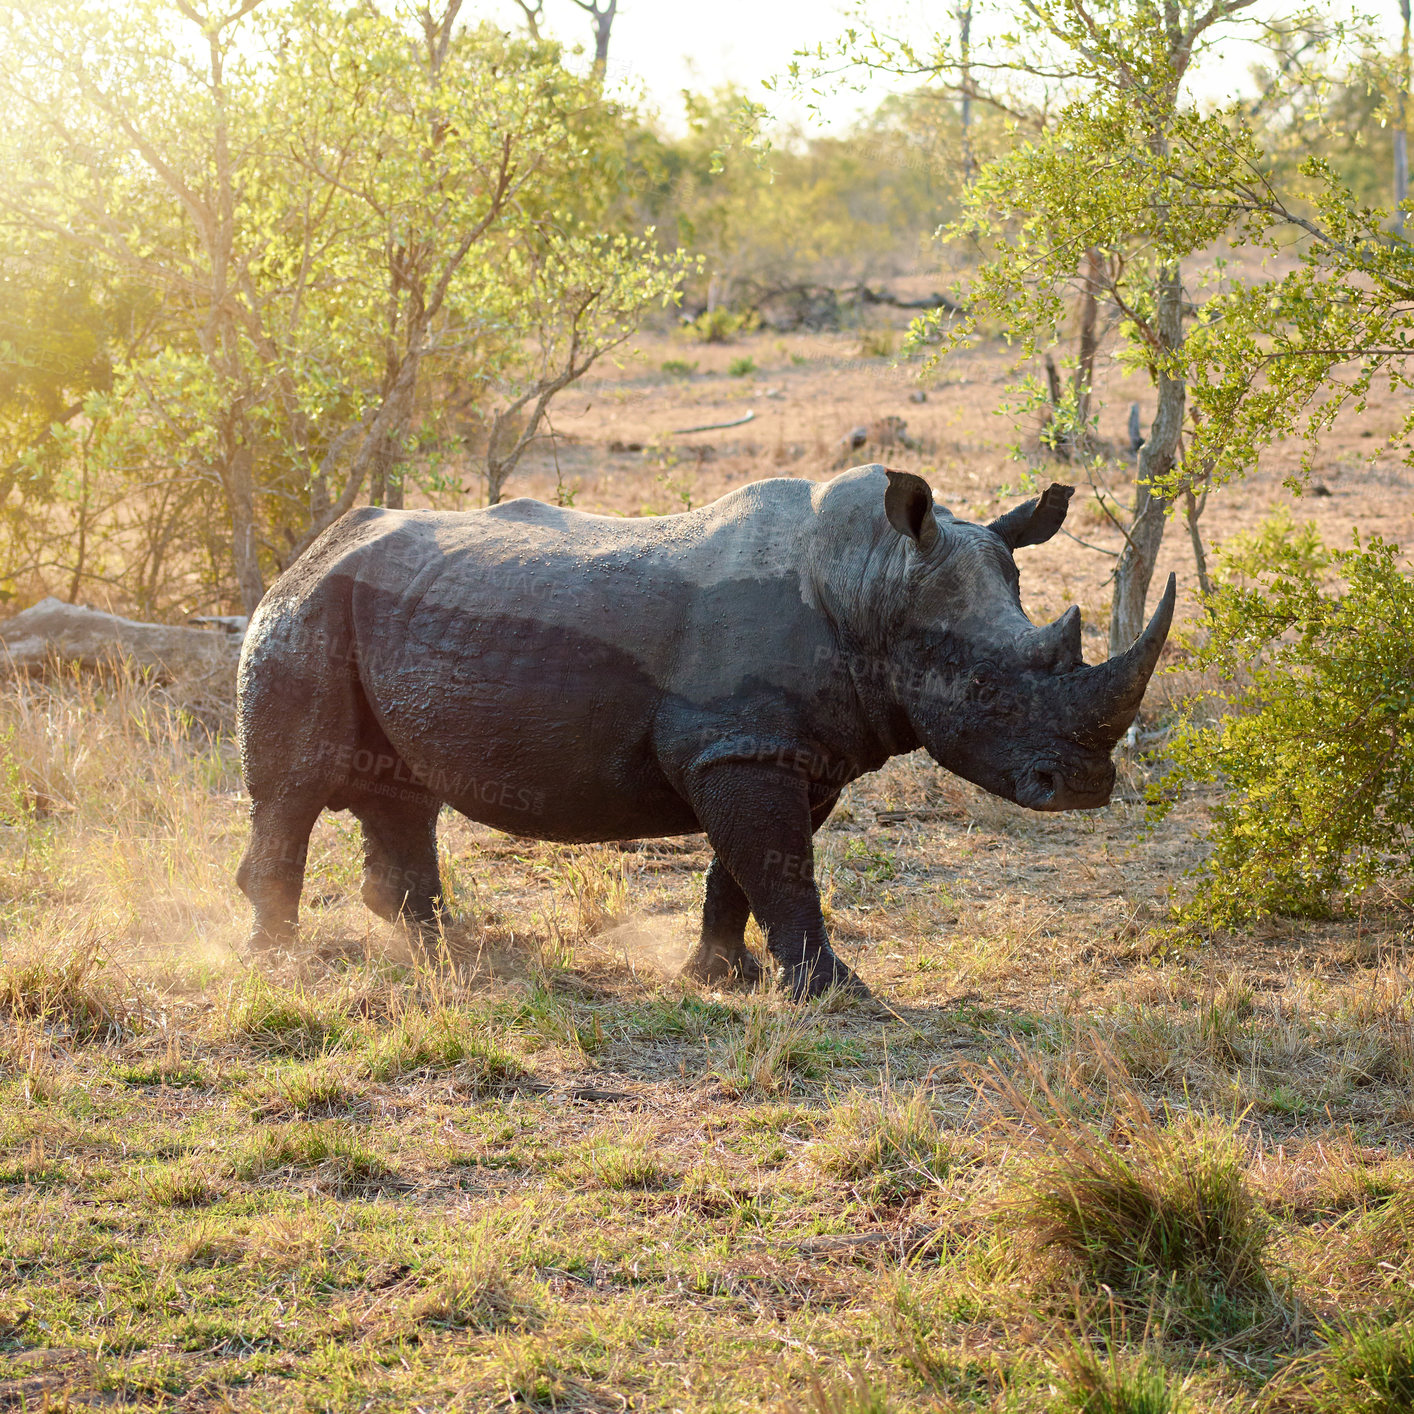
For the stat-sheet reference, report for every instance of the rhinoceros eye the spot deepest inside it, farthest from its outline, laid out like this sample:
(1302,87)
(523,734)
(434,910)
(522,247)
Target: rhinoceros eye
(985,687)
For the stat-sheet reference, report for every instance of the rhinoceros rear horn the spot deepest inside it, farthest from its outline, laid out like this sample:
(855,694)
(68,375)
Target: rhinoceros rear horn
(1108,695)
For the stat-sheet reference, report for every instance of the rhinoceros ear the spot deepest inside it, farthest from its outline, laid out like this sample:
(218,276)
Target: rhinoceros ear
(908,503)
(1034,522)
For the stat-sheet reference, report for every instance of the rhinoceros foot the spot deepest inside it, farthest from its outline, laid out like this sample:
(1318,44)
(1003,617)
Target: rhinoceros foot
(267,942)
(715,965)
(821,973)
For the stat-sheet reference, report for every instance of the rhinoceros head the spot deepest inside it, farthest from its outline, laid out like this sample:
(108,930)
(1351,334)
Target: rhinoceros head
(994,698)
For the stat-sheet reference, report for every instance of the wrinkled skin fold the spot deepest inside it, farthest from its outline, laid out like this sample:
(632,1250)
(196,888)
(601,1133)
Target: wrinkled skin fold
(573,677)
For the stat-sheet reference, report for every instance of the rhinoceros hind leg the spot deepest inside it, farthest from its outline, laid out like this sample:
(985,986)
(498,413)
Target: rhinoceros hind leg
(271,872)
(401,882)
(721,955)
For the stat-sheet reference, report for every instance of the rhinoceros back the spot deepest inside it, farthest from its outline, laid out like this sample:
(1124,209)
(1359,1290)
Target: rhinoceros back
(532,658)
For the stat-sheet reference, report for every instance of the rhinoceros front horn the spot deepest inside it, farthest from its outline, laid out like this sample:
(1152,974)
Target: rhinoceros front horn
(1107,696)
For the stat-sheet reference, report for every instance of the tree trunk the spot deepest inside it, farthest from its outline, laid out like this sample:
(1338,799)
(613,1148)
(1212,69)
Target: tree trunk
(964,35)
(1193,509)
(1156,459)
(81,551)
(603,23)
(1089,341)
(1401,125)
(245,546)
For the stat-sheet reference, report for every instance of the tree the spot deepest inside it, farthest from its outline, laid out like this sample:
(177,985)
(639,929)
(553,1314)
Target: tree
(601,14)
(325,202)
(1121,182)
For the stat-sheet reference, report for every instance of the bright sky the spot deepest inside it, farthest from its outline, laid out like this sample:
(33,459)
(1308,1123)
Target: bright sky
(664,46)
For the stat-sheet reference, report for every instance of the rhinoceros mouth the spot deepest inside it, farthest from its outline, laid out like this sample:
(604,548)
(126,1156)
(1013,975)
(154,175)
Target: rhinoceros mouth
(1049,786)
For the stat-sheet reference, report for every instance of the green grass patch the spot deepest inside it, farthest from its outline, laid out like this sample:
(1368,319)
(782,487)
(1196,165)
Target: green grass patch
(888,1145)
(1160,1220)
(290,1021)
(1095,1381)
(439,1040)
(330,1148)
(1368,1371)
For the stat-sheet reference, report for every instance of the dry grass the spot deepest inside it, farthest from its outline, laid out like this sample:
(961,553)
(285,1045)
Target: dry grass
(546,1174)
(1159,1218)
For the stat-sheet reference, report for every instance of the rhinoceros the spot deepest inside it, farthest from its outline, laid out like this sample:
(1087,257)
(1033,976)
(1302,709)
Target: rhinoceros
(575,677)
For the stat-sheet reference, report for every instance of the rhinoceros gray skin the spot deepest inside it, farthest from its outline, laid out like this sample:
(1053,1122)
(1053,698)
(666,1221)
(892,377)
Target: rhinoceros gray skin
(578,677)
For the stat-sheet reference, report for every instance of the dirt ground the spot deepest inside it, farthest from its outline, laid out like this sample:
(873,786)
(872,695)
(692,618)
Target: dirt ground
(552,1176)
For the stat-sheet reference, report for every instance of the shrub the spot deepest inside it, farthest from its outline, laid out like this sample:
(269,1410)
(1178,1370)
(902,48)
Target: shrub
(1311,747)
(742,367)
(678,367)
(722,325)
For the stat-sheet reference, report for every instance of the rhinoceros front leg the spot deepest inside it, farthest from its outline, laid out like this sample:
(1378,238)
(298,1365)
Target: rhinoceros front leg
(721,954)
(759,822)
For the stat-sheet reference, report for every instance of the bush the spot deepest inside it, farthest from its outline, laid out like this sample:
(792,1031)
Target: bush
(679,367)
(742,367)
(1314,651)
(721,325)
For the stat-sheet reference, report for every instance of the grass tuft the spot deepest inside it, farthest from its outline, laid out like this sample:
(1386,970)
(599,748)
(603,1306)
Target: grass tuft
(303,1092)
(1089,1381)
(1161,1219)
(776,1045)
(284,1020)
(889,1145)
(530,1375)
(851,1394)
(476,1294)
(1369,1371)
(623,1163)
(442,1039)
(179,1185)
(329,1148)
(69,987)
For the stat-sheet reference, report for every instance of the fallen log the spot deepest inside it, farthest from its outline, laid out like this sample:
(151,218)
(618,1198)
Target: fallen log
(714,426)
(53,635)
